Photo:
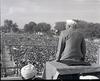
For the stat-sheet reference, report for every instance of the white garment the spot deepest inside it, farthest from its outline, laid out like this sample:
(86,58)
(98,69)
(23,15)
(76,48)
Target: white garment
(88,77)
(56,75)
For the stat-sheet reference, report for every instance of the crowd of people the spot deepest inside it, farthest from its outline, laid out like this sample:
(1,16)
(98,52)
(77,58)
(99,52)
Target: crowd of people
(33,51)
(34,48)
(71,52)
(91,52)
(39,49)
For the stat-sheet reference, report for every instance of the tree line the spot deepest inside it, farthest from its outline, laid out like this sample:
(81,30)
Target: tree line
(89,29)
(10,26)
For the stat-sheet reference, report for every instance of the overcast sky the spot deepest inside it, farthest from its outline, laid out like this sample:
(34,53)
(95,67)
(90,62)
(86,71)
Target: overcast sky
(50,11)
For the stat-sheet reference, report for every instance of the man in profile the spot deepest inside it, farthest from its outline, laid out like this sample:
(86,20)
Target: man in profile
(71,46)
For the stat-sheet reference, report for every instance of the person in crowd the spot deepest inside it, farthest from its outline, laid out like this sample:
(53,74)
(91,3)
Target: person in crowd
(71,46)
(29,72)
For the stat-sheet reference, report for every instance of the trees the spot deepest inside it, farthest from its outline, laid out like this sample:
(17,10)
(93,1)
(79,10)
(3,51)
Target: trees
(43,27)
(89,29)
(15,28)
(30,27)
(40,27)
(9,26)
(59,26)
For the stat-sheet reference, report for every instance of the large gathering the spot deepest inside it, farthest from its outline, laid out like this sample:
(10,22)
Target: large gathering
(49,40)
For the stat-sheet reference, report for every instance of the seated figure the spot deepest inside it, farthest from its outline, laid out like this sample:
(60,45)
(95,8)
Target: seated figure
(71,52)
(71,46)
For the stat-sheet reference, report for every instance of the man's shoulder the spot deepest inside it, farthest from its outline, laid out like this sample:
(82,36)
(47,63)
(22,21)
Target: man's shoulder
(76,32)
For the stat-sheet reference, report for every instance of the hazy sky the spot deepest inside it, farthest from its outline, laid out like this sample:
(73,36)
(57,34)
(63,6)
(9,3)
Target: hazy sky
(50,11)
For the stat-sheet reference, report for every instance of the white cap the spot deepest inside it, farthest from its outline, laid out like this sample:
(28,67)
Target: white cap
(70,22)
(88,77)
(28,71)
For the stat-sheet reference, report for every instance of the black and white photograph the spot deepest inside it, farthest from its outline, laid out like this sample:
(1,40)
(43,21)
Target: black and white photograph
(50,39)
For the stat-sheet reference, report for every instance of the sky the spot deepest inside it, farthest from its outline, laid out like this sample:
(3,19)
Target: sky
(49,11)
